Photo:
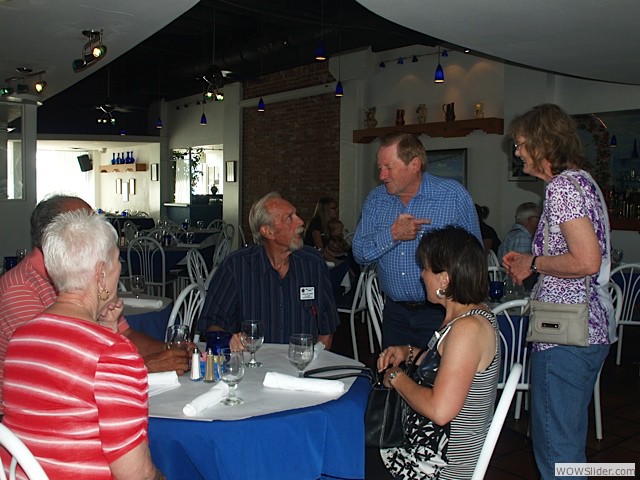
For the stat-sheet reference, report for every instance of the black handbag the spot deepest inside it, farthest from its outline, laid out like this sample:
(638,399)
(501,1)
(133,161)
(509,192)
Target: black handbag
(385,413)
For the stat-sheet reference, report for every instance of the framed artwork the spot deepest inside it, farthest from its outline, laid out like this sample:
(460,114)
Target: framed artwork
(231,171)
(450,163)
(154,172)
(515,173)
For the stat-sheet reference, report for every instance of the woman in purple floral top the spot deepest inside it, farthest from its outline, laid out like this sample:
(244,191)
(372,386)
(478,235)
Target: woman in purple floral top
(562,377)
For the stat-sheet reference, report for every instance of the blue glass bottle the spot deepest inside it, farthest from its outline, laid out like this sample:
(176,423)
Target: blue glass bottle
(113,159)
(118,159)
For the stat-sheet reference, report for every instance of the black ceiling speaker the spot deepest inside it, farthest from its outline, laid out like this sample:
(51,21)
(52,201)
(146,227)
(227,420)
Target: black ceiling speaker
(85,163)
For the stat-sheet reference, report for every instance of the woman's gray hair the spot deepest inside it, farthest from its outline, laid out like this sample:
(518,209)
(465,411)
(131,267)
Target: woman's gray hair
(259,215)
(73,244)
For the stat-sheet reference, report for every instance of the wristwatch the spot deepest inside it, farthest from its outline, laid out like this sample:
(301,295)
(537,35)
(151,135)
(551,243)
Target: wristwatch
(393,375)
(533,267)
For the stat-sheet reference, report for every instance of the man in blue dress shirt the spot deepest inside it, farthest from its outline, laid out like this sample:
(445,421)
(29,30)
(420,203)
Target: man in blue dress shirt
(279,281)
(394,217)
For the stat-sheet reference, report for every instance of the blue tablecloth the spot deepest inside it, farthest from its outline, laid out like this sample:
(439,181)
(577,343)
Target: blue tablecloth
(153,323)
(324,441)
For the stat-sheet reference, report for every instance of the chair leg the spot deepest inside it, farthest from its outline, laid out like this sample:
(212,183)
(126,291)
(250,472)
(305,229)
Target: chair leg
(365,318)
(518,405)
(619,353)
(354,341)
(596,406)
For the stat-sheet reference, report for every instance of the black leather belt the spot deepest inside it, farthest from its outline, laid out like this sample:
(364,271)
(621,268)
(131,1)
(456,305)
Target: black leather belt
(412,305)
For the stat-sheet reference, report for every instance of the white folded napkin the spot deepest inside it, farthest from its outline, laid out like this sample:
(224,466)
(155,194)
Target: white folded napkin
(316,385)
(142,302)
(206,400)
(317,348)
(162,382)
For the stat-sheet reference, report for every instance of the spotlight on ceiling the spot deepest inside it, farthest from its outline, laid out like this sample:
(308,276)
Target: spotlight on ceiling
(219,96)
(40,85)
(92,51)
(4,91)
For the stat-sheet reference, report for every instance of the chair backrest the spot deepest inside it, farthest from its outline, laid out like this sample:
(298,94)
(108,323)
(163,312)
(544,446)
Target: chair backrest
(188,306)
(197,267)
(20,455)
(375,304)
(618,300)
(359,300)
(496,273)
(511,321)
(492,259)
(497,422)
(217,224)
(348,237)
(145,256)
(221,251)
(130,230)
(627,276)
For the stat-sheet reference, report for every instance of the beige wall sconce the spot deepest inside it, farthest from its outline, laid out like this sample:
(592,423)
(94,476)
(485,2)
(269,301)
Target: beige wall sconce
(118,186)
(125,192)
(132,186)
(154,172)
(231,171)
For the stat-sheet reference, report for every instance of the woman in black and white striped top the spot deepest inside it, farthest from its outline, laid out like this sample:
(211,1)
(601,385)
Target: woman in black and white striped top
(451,396)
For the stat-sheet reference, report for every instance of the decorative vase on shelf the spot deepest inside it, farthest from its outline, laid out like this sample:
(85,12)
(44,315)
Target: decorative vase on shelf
(400,117)
(133,160)
(370,117)
(113,159)
(119,160)
(478,109)
(449,113)
(421,112)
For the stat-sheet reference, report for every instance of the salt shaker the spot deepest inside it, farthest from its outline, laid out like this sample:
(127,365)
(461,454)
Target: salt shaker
(209,374)
(195,365)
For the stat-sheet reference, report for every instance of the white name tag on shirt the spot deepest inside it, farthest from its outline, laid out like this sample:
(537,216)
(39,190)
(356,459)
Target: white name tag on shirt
(307,293)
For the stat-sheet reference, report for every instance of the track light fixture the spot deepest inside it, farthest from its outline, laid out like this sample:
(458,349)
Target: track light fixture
(92,51)
(20,83)
(40,85)
(4,91)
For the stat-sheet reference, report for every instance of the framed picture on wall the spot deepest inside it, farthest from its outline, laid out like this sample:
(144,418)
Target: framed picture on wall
(231,171)
(450,163)
(516,174)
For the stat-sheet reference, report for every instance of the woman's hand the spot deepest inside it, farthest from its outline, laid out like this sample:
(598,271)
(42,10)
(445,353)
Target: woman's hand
(110,314)
(392,356)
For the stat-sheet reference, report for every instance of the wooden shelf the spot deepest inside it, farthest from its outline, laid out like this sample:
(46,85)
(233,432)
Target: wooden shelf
(124,167)
(458,128)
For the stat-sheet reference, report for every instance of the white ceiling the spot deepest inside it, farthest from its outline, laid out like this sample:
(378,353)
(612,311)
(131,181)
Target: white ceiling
(594,39)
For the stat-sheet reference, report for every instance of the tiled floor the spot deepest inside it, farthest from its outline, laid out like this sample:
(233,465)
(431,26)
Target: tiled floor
(513,457)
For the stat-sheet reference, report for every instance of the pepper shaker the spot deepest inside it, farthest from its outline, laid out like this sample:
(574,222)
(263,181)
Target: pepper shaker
(209,374)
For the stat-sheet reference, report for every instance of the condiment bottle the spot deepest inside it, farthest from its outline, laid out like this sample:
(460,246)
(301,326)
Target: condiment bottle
(195,365)
(209,374)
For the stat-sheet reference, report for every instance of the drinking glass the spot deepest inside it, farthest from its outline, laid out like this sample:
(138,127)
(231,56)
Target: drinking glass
(617,254)
(231,366)
(137,285)
(496,290)
(200,224)
(189,237)
(301,351)
(178,337)
(252,336)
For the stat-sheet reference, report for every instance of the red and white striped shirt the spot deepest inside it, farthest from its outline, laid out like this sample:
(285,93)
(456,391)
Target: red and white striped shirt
(76,394)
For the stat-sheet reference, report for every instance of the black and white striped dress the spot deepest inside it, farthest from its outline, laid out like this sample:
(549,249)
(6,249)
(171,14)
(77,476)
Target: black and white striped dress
(450,451)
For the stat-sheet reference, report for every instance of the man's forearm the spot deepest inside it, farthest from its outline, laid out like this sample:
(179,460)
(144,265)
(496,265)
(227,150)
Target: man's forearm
(144,343)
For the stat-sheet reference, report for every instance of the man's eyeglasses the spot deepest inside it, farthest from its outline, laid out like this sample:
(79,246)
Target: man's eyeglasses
(518,145)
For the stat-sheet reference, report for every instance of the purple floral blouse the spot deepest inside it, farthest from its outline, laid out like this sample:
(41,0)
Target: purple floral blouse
(564,202)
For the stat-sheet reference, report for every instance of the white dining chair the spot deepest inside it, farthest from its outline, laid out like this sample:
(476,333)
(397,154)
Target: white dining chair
(375,304)
(514,346)
(357,304)
(186,310)
(627,276)
(145,256)
(20,455)
(497,422)
(197,267)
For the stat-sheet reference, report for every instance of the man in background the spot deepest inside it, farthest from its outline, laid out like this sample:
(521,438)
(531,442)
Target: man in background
(394,217)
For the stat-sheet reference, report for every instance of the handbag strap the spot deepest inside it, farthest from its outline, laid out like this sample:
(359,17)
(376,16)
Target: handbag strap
(587,278)
(353,371)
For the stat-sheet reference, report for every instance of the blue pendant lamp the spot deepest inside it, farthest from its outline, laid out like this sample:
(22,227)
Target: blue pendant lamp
(261,105)
(439,76)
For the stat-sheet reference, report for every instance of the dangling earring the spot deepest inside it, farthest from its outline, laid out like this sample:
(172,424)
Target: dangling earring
(103,294)
(441,293)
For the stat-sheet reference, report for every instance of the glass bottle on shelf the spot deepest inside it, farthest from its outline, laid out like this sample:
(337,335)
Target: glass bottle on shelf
(133,160)
(113,158)
(119,159)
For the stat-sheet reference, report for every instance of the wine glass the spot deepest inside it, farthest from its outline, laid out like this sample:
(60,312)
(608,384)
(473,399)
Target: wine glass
(252,336)
(301,351)
(231,365)
(617,254)
(137,285)
(178,337)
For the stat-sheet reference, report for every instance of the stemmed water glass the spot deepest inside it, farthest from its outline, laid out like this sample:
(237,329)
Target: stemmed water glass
(231,365)
(252,336)
(137,285)
(301,351)
(178,337)
(616,255)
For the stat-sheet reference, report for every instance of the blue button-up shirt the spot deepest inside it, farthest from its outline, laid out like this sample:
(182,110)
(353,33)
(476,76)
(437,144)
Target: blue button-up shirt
(443,201)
